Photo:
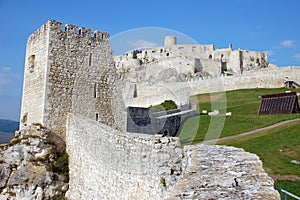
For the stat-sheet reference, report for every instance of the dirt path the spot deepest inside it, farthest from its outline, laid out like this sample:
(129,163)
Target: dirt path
(250,132)
(285,177)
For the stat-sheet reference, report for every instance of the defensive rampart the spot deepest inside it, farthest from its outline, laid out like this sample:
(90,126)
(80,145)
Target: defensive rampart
(148,94)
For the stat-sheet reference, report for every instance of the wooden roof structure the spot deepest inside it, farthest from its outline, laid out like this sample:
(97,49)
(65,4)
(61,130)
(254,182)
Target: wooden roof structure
(282,103)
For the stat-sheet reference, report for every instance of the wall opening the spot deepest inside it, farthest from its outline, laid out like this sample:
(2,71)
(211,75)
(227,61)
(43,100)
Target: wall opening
(135,91)
(257,62)
(95,90)
(210,56)
(224,67)
(97,116)
(167,54)
(31,62)
(90,59)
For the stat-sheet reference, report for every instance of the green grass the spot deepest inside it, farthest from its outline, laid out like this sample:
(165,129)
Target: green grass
(290,186)
(244,105)
(276,148)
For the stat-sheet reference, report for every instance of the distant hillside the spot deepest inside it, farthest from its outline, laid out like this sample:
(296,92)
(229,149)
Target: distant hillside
(8,126)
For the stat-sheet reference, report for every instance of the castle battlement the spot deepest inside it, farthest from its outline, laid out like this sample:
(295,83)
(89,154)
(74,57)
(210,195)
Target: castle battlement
(69,29)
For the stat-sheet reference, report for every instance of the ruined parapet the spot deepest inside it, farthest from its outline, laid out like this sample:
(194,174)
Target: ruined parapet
(220,172)
(68,69)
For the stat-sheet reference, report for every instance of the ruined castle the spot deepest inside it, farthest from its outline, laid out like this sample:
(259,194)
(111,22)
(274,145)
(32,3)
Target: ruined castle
(74,87)
(189,60)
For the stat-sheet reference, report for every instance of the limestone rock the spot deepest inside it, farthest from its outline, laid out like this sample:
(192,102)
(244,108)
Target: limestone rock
(27,166)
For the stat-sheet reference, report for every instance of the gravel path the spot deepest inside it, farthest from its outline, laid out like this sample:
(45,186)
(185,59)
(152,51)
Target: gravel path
(250,132)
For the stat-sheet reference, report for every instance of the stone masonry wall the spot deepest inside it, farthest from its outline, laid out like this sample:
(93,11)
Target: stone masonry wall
(180,92)
(108,164)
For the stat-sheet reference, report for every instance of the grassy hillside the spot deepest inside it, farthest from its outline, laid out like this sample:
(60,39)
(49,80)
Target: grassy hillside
(244,106)
(276,148)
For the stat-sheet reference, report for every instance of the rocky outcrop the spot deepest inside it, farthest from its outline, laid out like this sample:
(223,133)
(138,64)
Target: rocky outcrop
(33,165)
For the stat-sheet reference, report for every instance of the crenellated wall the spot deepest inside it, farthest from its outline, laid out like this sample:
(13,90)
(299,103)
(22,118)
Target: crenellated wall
(108,164)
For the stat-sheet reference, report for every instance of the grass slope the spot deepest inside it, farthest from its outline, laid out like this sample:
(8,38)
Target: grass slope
(244,105)
(276,148)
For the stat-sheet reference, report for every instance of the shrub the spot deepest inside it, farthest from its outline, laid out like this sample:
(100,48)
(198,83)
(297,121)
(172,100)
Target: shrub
(169,105)
(60,165)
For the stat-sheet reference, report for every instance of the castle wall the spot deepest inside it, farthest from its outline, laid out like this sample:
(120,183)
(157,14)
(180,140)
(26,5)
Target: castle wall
(35,70)
(180,92)
(108,164)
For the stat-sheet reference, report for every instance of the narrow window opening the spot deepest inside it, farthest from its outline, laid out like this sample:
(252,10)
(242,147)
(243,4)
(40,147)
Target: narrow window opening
(95,90)
(90,60)
(135,91)
(31,61)
(97,117)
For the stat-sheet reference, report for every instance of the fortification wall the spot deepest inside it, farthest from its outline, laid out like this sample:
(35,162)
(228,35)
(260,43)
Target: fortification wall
(153,94)
(108,164)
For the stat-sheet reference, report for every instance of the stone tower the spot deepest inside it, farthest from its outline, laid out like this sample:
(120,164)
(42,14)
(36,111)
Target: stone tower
(68,70)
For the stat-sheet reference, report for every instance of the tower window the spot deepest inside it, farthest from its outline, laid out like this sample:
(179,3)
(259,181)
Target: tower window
(31,61)
(95,90)
(135,91)
(97,117)
(90,59)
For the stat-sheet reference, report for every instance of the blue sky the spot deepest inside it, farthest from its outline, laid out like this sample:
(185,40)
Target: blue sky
(261,25)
